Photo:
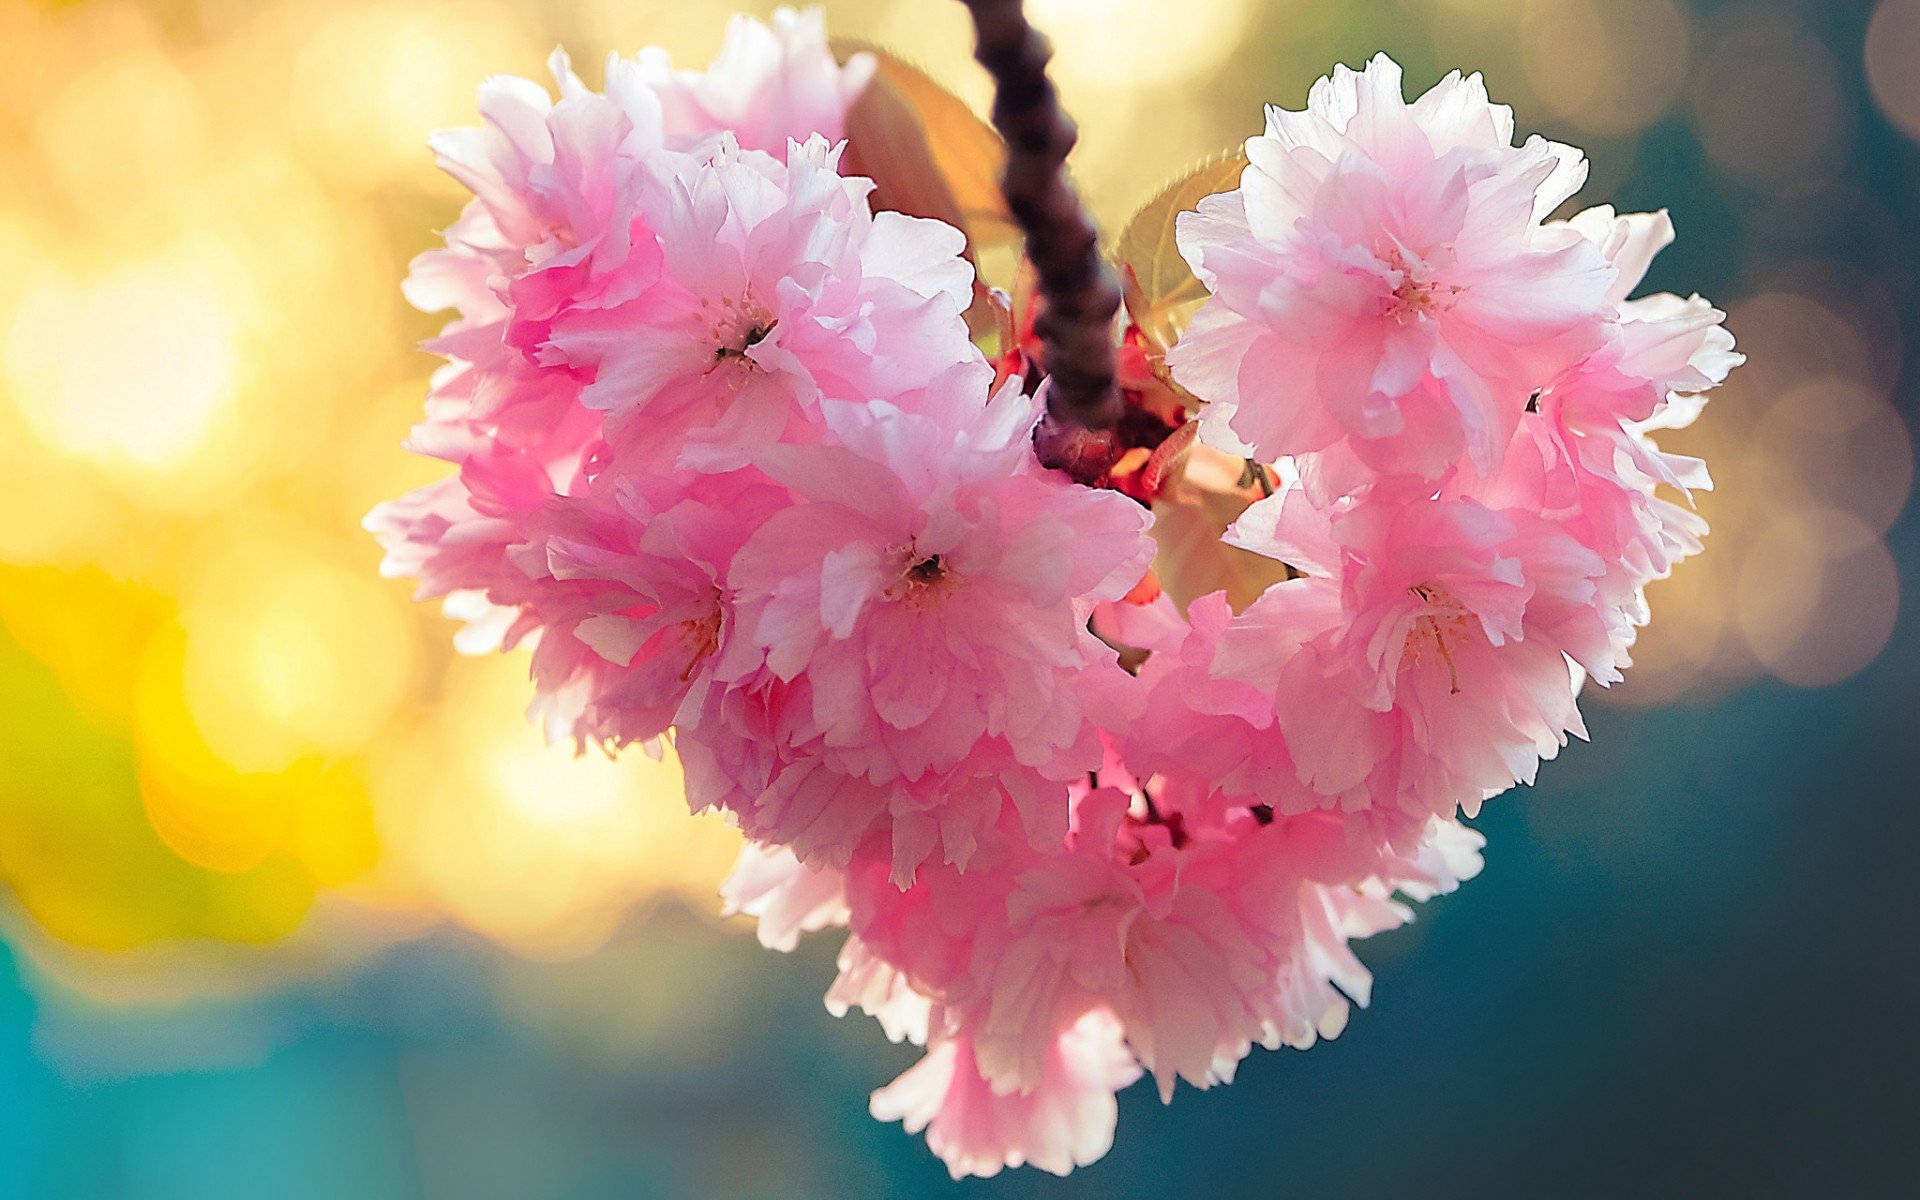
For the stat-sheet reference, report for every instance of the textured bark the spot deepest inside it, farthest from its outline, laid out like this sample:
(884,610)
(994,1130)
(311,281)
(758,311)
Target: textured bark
(1079,292)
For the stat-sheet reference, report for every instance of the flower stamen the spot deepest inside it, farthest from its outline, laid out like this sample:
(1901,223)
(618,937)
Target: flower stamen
(703,638)
(923,578)
(1418,295)
(1434,628)
(736,328)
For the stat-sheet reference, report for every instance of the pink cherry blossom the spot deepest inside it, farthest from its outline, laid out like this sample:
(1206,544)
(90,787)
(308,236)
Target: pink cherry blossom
(1587,460)
(1182,926)
(1065,1121)
(913,630)
(768,85)
(555,231)
(778,288)
(934,587)
(575,209)
(553,226)
(785,898)
(1205,935)
(730,467)
(634,600)
(1433,641)
(1383,276)
(1598,418)
(824,815)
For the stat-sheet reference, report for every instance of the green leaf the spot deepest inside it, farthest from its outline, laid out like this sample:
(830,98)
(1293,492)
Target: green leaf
(1161,289)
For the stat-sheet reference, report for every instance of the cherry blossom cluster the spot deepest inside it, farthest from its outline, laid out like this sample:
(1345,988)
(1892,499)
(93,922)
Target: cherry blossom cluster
(1462,394)
(730,465)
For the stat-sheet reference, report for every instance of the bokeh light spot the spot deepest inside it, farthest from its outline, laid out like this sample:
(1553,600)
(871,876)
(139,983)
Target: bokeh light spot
(125,126)
(373,80)
(1609,68)
(1133,44)
(1893,49)
(1841,445)
(1818,596)
(1768,103)
(133,369)
(528,843)
(289,655)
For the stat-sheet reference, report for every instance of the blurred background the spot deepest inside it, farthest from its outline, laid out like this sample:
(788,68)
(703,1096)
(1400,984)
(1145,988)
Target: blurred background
(293,903)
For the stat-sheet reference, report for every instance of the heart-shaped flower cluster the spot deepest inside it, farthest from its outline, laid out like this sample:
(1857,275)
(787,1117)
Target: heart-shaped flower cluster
(730,465)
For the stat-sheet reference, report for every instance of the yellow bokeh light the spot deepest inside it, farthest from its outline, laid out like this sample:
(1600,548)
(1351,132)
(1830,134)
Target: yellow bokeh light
(289,655)
(547,788)
(530,844)
(132,369)
(128,124)
(87,627)
(689,33)
(1686,646)
(371,81)
(72,520)
(228,818)
(1134,44)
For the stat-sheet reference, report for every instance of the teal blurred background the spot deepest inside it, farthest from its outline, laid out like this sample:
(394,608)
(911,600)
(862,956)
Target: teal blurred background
(293,905)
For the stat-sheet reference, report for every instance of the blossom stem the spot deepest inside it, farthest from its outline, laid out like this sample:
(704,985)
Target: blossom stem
(1080,292)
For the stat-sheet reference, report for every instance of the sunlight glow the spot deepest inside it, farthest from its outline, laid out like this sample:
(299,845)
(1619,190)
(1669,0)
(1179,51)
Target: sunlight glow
(136,367)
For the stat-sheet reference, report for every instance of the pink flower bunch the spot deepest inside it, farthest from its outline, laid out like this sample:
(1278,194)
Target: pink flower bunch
(1171,929)
(1464,392)
(729,462)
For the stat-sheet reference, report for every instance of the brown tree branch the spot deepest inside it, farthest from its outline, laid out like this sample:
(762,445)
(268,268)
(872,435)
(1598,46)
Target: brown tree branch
(1079,291)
